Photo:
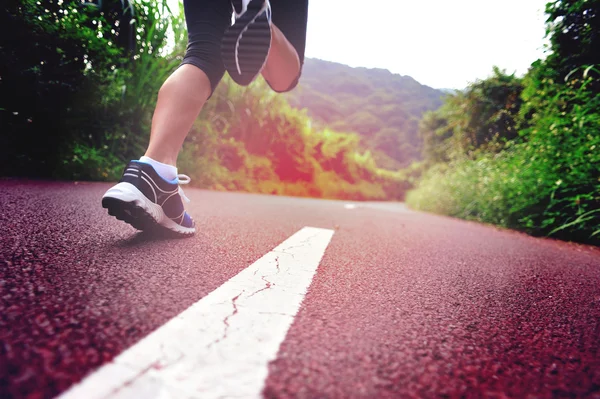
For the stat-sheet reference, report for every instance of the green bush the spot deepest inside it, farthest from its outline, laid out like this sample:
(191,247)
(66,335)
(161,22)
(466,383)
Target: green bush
(548,184)
(80,90)
(250,139)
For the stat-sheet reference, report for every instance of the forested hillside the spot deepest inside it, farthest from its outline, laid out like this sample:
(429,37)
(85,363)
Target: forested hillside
(382,107)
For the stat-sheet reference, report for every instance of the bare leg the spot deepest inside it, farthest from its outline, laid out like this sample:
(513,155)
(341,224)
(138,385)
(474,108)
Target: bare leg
(283,64)
(184,93)
(180,100)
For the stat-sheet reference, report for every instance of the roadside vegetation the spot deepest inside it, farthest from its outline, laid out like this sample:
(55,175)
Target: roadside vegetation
(79,83)
(524,153)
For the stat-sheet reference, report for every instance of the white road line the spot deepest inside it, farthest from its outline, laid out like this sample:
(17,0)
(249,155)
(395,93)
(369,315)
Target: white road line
(219,347)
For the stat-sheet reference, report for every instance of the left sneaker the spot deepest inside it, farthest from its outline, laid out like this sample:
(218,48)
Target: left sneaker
(148,202)
(245,45)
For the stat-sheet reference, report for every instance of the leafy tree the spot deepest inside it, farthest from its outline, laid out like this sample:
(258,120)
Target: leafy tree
(435,133)
(491,110)
(573,27)
(76,101)
(55,51)
(480,118)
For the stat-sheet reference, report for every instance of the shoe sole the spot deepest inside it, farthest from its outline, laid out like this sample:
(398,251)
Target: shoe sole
(125,202)
(245,45)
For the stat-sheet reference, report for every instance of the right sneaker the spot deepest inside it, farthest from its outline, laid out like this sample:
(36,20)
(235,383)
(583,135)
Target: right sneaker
(245,45)
(148,202)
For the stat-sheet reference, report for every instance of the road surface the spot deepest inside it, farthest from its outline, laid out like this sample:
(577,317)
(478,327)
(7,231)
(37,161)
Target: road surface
(366,301)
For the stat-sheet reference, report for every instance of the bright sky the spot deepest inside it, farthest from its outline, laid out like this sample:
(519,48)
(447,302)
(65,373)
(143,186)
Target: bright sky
(440,43)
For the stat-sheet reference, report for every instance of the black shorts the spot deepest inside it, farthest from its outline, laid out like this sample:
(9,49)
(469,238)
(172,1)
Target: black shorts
(207,21)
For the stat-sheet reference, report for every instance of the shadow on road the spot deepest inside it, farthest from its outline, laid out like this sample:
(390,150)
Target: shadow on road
(145,237)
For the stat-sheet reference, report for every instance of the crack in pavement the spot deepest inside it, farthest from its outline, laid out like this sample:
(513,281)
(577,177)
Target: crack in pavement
(268,285)
(226,319)
(300,244)
(277,313)
(156,365)
(130,381)
(235,310)
(286,253)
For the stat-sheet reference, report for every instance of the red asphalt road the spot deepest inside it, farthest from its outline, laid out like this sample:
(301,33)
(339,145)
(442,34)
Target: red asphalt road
(404,304)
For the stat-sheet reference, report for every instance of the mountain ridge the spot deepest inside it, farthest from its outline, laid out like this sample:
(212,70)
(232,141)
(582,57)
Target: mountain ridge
(383,107)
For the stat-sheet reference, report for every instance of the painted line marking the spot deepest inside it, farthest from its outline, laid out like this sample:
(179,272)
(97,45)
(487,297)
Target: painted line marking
(219,347)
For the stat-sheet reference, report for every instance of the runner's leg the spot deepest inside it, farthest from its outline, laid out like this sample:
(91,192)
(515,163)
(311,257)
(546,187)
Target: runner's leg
(149,196)
(286,56)
(184,93)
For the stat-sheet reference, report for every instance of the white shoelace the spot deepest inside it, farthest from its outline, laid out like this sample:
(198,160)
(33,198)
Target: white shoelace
(183,179)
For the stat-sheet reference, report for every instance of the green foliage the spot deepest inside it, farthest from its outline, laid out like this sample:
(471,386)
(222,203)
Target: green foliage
(436,133)
(383,108)
(481,118)
(251,139)
(55,52)
(564,144)
(545,181)
(118,118)
(548,185)
(573,27)
(88,87)
(89,163)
